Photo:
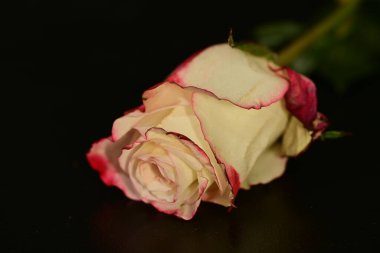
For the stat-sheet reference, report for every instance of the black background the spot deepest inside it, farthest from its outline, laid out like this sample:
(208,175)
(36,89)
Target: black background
(75,66)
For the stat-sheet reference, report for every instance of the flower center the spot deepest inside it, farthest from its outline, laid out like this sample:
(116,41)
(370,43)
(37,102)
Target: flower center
(150,177)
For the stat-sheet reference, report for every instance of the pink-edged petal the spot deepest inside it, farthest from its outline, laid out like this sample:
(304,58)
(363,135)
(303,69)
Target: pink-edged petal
(182,120)
(269,166)
(238,136)
(125,123)
(234,75)
(190,207)
(296,138)
(213,192)
(165,95)
(176,75)
(140,108)
(187,204)
(99,161)
(202,165)
(159,101)
(320,124)
(188,210)
(202,186)
(214,195)
(175,146)
(301,98)
(233,178)
(196,150)
(103,157)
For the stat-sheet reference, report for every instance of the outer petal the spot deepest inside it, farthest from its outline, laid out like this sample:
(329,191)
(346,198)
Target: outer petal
(138,121)
(301,98)
(269,165)
(238,136)
(232,74)
(125,123)
(296,137)
(213,194)
(166,95)
(233,178)
(320,124)
(103,157)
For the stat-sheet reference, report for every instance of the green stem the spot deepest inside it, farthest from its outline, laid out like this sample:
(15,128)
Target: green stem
(290,53)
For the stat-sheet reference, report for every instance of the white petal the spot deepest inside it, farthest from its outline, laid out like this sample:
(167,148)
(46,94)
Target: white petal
(269,165)
(236,135)
(234,75)
(166,95)
(125,123)
(103,157)
(214,195)
(141,122)
(296,138)
(182,120)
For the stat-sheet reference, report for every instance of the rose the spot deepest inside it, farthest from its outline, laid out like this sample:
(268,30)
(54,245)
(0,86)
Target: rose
(202,135)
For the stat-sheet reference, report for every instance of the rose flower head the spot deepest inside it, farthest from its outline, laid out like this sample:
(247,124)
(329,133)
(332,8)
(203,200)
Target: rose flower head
(223,120)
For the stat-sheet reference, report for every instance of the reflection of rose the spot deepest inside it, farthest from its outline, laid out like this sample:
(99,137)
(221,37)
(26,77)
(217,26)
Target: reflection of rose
(224,120)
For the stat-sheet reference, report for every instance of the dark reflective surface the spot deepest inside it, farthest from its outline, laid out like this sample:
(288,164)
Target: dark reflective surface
(78,66)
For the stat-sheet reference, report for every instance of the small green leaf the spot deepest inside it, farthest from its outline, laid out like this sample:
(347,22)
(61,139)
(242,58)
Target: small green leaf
(329,135)
(257,50)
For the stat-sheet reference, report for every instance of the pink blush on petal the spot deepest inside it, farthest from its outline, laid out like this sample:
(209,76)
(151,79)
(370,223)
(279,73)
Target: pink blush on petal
(189,142)
(233,178)
(320,124)
(169,212)
(100,164)
(203,182)
(185,76)
(301,98)
(140,108)
(232,174)
(175,75)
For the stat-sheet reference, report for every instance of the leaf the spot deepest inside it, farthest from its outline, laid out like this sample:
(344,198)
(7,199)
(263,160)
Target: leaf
(257,50)
(329,135)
